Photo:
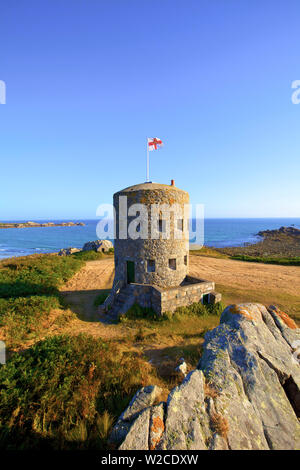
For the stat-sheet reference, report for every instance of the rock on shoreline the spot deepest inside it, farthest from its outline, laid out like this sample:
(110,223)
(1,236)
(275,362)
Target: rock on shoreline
(99,246)
(245,393)
(36,224)
(292,231)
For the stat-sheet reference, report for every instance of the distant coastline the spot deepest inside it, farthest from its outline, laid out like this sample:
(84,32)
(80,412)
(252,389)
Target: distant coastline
(219,233)
(277,243)
(36,224)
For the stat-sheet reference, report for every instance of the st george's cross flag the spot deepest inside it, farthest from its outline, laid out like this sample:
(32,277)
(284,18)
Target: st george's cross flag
(154,143)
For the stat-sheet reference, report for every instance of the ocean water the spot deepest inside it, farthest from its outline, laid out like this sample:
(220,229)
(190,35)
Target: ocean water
(217,232)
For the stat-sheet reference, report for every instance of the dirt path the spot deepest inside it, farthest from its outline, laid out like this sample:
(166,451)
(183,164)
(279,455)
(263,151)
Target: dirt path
(166,343)
(95,275)
(237,280)
(82,290)
(80,293)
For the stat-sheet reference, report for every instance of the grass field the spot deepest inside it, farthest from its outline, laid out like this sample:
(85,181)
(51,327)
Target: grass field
(69,376)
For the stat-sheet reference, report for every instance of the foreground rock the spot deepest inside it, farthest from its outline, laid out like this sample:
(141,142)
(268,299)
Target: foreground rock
(102,246)
(245,393)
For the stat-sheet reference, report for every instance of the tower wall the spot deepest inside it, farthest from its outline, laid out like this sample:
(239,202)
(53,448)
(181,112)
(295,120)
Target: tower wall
(144,252)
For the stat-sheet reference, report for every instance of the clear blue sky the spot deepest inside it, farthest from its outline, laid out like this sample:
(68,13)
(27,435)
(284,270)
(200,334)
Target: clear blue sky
(88,80)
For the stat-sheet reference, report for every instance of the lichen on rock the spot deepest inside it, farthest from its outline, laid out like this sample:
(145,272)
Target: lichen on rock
(252,400)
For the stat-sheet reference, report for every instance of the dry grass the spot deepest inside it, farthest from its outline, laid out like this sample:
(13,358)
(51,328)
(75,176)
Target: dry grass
(104,424)
(211,391)
(155,347)
(209,252)
(287,302)
(220,424)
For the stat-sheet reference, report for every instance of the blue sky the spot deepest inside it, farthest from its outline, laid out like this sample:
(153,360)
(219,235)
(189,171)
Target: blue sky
(88,80)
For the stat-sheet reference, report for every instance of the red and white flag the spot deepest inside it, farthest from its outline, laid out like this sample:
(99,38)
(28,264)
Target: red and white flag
(154,143)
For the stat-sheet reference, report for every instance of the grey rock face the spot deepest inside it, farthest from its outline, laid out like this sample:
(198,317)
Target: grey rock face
(138,435)
(98,245)
(245,393)
(141,401)
(68,251)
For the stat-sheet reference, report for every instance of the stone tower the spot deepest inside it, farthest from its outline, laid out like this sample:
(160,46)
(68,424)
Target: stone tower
(161,259)
(151,251)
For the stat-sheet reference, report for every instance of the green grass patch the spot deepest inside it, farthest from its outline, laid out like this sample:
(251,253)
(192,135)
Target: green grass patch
(29,291)
(209,252)
(89,255)
(268,260)
(36,275)
(100,299)
(92,255)
(136,312)
(65,392)
(26,318)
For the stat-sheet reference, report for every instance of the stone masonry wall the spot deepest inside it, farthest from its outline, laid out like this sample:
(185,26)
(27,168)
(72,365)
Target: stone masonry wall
(185,295)
(160,250)
(167,300)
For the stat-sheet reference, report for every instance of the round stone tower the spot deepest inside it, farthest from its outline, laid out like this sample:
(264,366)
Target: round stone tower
(159,257)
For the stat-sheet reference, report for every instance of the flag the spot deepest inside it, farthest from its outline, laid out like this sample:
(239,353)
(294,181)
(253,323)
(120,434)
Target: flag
(154,143)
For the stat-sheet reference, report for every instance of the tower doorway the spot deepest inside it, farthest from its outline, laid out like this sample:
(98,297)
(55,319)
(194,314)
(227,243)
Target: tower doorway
(130,272)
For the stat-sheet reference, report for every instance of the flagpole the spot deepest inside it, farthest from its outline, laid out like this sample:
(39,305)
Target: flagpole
(147,179)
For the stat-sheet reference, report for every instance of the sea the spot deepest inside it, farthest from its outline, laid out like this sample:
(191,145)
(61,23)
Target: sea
(217,233)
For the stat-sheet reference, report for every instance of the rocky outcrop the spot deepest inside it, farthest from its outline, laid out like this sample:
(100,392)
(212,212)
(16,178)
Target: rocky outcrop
(133,426)
(68,251)
(293,231)
(37,224)
(101,246)
(245,393)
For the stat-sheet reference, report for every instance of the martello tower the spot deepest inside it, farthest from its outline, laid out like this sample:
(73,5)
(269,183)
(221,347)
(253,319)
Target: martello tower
(162,258)
(152,252)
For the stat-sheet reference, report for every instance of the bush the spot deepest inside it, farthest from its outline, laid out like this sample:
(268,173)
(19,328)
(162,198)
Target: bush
(100,299)
(200,309)
(197,309)
(271,260)
(137,312)
(65,392)
(89,255)
(24,318)
(28,293)
(36,275)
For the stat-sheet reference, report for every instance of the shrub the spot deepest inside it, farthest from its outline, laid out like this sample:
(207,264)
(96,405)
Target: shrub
(36,275)
(65,392)
(200,309)
(137,312)
(196,309)
(28,293)
(270,260)
(24,317)
(89,255)
(100,299)
(220,424)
